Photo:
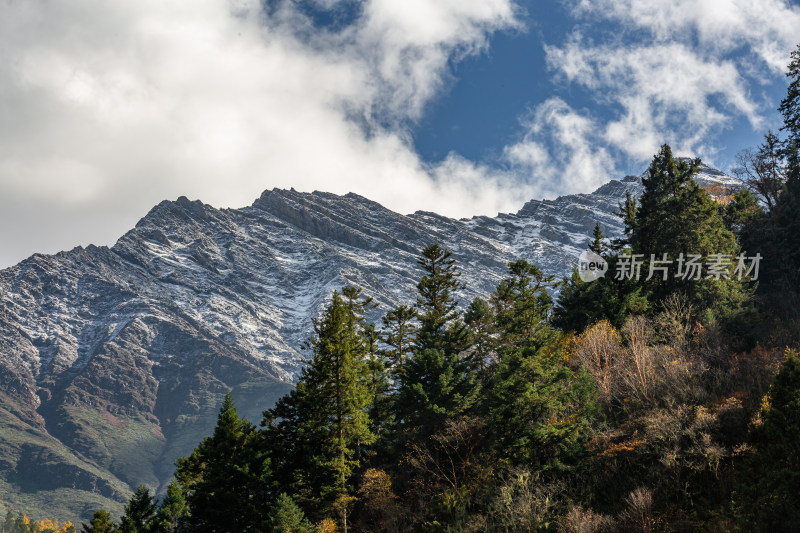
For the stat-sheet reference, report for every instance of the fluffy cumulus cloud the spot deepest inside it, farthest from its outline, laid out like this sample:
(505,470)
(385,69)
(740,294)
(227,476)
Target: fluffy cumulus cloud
(111,107)
(665,92)
(767,28)
(107,108)
(561,149)
(675,71)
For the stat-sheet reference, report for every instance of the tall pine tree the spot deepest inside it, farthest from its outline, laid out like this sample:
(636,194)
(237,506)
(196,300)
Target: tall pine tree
(100,523)
(436,384)
(479,320)
(398,334)
(323,424)
(287,517)
(139,513)
(538,409)
(788,205)
(225,476)
(581,304)
(675,219)
(173,511)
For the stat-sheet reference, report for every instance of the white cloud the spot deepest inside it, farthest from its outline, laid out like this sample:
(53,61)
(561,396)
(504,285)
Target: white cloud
(117,105)
(768,28)
(108,108)
(561,150)
(666,93)
(679,71)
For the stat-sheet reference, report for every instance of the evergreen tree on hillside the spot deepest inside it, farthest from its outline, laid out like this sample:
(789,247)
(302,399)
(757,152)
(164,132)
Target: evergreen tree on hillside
(598,244)
(290,448)
(675,215)
(788,226)
(538,409)
(479,320)
(581,304)
(675,219)
(790,105)
(578,305)
(287,517)
(788,205)
(173,511)
(436,384)
(379,380)
(775,234)
(398,334)
(225,476)
(521,307)
(139,513)
(768,498)
(101,523)
(740,214)
(321,426)
(440,327)
(627,212)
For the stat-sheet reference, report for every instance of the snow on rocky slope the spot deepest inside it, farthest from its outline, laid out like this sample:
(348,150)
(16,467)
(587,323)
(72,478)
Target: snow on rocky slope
(113,360)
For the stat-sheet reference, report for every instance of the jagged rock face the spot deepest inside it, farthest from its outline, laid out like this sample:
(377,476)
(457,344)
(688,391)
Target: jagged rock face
(113,360)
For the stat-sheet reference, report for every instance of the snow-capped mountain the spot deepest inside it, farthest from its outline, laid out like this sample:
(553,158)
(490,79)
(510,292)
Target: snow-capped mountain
(113,360)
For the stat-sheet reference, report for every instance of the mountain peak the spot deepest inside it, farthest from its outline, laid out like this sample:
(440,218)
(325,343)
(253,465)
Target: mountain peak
(119,357)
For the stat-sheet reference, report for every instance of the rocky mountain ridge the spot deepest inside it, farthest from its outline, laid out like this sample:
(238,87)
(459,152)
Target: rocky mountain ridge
(113,360)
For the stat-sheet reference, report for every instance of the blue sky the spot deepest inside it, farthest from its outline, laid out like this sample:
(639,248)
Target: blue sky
(491,91)
(480,114)
(464,107)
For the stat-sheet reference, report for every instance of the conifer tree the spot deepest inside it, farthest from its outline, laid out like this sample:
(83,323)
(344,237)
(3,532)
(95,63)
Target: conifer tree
(440,328)
(399,335)
(740,214)
(289,446)
(436,383)
(788,205)
(788,226)
(790,105)
(581,304)
(627,212)
(325,419)
(522,306)
(598,245)
(676,218)
(139,512)
(173,511)
(225,476)
(675,215)
(287,517)
(578,305)
(101,523)
(774,234)
(480,323)
(378,372)
(538,409)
